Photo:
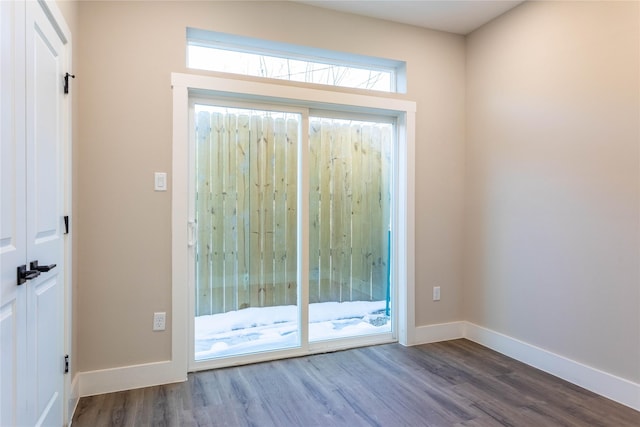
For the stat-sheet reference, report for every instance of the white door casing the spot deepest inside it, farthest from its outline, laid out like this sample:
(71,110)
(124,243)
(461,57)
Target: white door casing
(185,85)
(32,216)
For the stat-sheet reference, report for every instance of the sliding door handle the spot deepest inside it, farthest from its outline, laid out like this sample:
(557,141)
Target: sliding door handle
(191,233)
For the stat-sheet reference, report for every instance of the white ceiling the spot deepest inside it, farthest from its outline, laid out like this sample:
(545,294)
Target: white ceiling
(460,17)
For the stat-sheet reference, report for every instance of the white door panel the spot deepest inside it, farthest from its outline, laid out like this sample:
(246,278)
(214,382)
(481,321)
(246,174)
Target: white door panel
(13,249)
(45,337)
(44,97)
(11,322)
(31,314)
(12,154)
(8,364)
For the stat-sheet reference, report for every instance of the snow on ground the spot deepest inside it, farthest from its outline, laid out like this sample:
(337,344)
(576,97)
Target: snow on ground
(257,329)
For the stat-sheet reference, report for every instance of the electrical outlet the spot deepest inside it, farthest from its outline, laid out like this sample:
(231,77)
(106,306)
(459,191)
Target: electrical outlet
(159,320)
(436,293)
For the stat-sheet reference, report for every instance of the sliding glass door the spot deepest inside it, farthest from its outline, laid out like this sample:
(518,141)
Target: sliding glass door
(246,165)
(248,196)
(349,227)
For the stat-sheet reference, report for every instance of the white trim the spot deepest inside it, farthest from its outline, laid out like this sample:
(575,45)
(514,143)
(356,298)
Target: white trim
(439,332)
(316,347)
(608,385)
(328,346)
(227,88)
(73,397)
(127,378)
(290,92)
(404,240)
(180,234)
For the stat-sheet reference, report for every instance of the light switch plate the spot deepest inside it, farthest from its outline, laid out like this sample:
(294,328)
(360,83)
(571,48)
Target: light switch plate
(160,181)
(436,293)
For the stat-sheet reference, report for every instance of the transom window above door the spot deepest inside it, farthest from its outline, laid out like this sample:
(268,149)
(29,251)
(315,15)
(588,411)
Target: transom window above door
(208,50)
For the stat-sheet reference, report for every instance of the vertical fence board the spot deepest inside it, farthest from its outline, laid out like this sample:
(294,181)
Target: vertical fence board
(203,212)
(255,219)
(368,208)
(386,147)
(326,293)
(243,211)
(347,210)
(223,177)
(378,228)
(336,169)
(291,229)
(314,211)
(345,214)
(358,216)
(217,210)
(268,198)
(280,210)
(230,197)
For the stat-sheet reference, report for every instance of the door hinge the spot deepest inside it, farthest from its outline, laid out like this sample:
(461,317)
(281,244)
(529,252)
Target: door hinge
(66,224)
(66,82)
(66,363)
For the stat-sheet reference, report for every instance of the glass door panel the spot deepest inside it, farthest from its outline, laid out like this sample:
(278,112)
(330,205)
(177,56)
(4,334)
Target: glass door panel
(350,165)
(246,291)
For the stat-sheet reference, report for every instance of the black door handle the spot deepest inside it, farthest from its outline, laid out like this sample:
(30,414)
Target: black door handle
(41,268)
(24,274)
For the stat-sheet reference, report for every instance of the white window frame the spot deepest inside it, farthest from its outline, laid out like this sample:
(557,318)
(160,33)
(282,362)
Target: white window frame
(250,45)
(403,275)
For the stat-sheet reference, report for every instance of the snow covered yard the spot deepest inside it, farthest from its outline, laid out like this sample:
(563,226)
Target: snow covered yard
(268,328)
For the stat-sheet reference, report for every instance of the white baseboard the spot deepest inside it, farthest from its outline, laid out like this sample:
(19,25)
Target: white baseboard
(74,397)
(438,332)
(610,386)
(129,377)
(137,376)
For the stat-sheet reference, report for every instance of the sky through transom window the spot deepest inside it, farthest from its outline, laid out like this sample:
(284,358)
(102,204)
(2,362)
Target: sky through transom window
(260,58)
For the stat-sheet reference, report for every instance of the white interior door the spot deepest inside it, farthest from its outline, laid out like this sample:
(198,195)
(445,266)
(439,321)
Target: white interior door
(45,196)
(31,313)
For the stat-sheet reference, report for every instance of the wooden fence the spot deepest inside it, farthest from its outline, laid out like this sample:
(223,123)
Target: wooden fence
(246,211)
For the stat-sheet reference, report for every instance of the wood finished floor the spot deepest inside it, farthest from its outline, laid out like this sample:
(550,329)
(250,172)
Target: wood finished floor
(454,383)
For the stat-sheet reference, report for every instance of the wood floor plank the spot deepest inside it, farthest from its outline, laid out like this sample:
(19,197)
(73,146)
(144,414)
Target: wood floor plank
(423,388)
(455,383)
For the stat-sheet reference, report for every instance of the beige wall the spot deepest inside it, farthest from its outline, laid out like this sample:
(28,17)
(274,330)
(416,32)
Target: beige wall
(552,214)
(126,52)
(550,188)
